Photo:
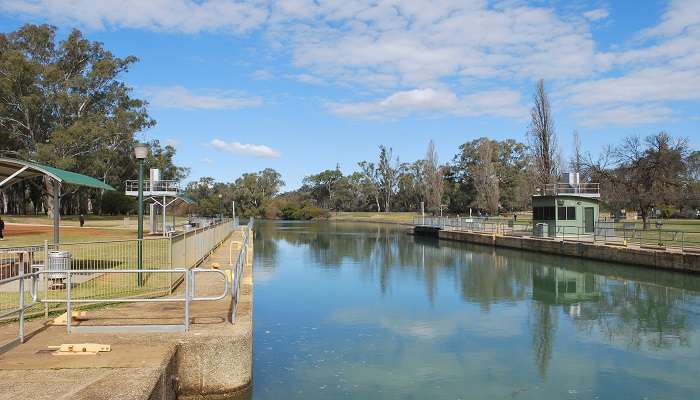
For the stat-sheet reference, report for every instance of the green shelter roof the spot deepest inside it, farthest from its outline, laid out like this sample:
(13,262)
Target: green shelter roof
(13,170)
(185,199)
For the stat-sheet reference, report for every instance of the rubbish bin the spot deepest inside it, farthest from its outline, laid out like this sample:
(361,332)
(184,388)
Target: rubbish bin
(540,229)
(58,261)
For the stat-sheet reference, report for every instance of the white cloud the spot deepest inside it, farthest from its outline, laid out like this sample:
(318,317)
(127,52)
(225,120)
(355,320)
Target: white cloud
(650,84)
(661,69)
(625,115)
(414,44)
(257,150)
(680,15)
(420,57)
(597,14)
(180,97)
(161,15)
(503,103)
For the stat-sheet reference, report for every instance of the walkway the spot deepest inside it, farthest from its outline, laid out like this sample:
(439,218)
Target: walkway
(214,356)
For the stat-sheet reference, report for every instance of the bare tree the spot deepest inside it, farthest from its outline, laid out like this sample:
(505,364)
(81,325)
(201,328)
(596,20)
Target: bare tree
(644,174)
(433,180)
(576,161)
(486,178)
(543,139)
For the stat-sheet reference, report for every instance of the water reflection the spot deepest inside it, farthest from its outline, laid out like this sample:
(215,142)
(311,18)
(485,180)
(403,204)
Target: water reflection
(382,314)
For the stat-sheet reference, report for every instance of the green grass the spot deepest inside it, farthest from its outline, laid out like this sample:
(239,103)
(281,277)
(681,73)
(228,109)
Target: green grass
(99,221)
(391,217)
(68,235)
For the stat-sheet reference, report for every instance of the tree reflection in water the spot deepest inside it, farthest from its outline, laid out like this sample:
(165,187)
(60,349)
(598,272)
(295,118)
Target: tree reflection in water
(641,309)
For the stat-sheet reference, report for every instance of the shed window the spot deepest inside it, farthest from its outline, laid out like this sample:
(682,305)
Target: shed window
(566,213)
(543,213)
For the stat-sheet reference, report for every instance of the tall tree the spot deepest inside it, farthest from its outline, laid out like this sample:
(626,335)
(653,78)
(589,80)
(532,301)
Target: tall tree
(388,175)
(163,158)
(486,178)
(370,180)
(576,162)
(322,186)
(433,179)
(543,139)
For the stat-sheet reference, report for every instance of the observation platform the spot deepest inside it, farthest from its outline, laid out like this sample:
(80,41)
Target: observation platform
(168,188)
(589,190)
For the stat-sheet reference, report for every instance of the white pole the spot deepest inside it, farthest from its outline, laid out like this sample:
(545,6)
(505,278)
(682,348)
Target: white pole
(422,210)
(164,217)
(233,207)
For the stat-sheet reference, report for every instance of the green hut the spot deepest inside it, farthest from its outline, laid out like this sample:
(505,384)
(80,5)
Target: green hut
(566,208)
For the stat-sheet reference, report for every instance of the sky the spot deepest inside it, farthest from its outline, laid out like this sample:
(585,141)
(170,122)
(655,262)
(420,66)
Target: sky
(302,86)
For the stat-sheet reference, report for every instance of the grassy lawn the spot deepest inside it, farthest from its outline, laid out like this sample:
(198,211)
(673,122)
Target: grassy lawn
(21,235)
(21,230)
(391,217)
(97,221)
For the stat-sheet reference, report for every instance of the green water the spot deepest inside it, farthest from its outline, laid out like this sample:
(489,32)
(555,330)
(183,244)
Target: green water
(362,311)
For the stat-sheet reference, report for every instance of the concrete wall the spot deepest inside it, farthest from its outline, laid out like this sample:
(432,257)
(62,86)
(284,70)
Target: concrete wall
(217,363)
(687,262)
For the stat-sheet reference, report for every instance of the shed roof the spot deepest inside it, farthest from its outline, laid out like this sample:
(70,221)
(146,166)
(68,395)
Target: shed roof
(13,170)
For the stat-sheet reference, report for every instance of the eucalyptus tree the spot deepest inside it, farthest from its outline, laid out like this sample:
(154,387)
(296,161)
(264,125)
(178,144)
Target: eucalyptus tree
(370,181)
(323,185)
(388,170)
(63,102)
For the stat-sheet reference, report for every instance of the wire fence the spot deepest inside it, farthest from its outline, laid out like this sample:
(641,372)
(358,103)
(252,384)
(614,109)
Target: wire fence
(604,232)
(92,264)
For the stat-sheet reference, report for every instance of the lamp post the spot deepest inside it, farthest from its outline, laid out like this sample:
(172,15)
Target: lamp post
(221,213)
(140,152)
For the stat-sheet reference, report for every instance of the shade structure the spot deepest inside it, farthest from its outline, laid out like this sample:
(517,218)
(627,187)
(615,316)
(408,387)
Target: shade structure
(13,171)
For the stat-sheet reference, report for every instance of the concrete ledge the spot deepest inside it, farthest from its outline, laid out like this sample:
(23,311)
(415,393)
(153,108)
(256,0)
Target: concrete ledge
(216,362)
(654,258)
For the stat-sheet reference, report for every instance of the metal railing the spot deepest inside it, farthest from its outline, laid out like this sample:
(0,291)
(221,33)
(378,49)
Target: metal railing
(73,296)
(238,267)
(24,301)
(603,232)
(132,185)
(100,271)
(583,189)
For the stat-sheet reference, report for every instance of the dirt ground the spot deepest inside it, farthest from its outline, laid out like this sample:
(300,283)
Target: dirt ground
(21,234)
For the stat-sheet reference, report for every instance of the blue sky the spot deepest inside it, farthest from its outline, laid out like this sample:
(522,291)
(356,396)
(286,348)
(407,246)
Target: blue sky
(301,86)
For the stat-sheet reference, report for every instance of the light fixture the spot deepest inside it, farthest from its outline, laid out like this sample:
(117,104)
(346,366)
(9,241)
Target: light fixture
(140,151)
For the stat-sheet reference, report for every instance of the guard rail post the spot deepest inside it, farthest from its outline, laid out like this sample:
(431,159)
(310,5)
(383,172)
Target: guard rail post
(69,308)
(21,302)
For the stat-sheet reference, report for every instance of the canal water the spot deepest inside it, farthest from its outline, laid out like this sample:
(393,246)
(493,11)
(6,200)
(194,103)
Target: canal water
(364,311)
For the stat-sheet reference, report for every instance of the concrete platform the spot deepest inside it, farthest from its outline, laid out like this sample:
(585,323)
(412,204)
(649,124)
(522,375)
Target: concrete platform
(213,359)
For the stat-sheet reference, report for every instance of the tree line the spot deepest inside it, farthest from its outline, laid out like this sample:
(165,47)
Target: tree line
(491,177)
